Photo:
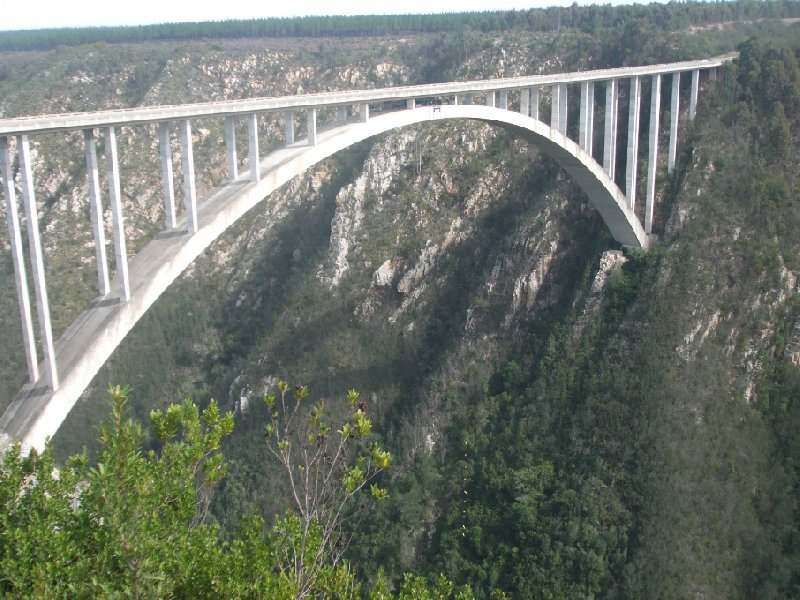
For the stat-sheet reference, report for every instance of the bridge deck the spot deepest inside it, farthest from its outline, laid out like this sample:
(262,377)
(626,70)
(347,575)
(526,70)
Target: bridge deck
(155,114)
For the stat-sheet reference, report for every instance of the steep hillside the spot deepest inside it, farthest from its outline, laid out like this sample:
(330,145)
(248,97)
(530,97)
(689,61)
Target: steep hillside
(570,419)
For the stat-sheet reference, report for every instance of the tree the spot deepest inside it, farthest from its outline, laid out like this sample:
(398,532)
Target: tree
(325,470)
(128,525)
(133,525)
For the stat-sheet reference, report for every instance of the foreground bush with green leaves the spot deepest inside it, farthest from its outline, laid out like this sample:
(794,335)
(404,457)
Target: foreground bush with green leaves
(134,524)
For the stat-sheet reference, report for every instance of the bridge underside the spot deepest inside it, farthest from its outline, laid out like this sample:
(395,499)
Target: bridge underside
(37,412)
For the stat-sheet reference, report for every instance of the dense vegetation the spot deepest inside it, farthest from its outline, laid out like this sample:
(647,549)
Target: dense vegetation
(638,442)
(609,464)
(588,19)
(133,525)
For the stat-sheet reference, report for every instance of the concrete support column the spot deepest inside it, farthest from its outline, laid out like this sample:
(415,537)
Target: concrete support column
(288,126)
(535,103)
(230,147)
(341,114)
(411,103)
(118,224)
(96,211)
(502,99)
(652,161)
(555,111)
(712,74)
(693,96)
(364,117)
(189,186)
(20,277)
(674,111)
(562,107)
(469,98)
(37,261)
(189,189)
(311,126)
(166,176)
(252,147)
(525,102)
(491,99)
(586,133)
(455,99)
(635,102)
(610,132)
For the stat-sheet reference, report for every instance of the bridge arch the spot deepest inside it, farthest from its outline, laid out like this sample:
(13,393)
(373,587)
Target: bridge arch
(36,412)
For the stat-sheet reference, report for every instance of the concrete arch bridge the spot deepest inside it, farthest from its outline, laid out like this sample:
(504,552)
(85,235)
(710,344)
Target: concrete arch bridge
(69,364)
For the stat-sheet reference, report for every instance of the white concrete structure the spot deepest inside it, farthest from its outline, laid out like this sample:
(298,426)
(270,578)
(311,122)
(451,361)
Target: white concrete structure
(167,180)
(586,131)
(610,133)
(96,210)
(502,99)
(652,160)
(674,111)
(21,279)
(534,103)
(71,363)
(558,108)
(252,146)
(525,102)
(37,261)
(230,147)
(632,162)
(117,220)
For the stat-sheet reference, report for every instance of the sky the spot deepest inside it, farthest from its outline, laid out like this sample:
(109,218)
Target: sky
(39,14)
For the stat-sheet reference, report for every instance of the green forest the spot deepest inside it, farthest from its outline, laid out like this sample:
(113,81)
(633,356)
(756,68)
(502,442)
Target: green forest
(641,441)
(588,19)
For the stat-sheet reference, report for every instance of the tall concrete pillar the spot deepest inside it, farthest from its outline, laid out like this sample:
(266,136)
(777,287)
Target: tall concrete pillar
(20,277)
(635,102)
(117,221)
(712,74)
(674,111)
(411,103)
(652,160)
(341,114)
(586,127)
(562,107)
(455,99)
(37,261)
(525,102)
(364,116)
(189,186)
(166,176)
(555,111)
(491,99)
(693,96)
(469,98)
(535,103)
(502,99)
(311,126)
(288,126)
(252,147)
(96,212)
(230,147)
(610,130)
